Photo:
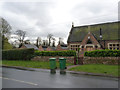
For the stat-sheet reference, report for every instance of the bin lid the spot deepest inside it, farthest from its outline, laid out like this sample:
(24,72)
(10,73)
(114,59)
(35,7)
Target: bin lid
(62,58)
(52,58)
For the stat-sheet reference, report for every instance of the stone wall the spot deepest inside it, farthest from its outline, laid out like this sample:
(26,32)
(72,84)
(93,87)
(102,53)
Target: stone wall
(101,60)
(46,58)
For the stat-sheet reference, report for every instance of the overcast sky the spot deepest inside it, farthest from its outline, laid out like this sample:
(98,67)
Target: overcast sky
(40,17)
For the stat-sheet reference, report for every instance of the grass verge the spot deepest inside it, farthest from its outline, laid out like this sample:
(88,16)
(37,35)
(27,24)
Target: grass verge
(97,68)
(30,64)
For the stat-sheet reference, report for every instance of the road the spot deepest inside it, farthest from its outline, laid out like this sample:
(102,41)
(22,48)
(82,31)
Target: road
(15,78)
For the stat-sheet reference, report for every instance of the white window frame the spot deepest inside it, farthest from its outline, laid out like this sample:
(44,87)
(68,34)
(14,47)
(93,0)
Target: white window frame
(112,46)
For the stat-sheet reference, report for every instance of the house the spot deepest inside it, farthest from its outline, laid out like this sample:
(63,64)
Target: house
(29,46)
(41,48)
(94,37)
(50,48)
(61,47)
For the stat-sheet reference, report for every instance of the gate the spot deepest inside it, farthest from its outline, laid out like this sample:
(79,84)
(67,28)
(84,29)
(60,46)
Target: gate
(80,60)
(75,59)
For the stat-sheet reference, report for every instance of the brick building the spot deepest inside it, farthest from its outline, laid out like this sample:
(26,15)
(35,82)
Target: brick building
(61,47)
(29,46)
(49,48)
(94,37)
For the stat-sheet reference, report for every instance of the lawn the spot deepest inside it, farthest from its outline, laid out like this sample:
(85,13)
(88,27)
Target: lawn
(30,64)
(97,68)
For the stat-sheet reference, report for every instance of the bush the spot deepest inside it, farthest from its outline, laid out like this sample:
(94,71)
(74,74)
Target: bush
(17,54)
(55,53)
(103,53)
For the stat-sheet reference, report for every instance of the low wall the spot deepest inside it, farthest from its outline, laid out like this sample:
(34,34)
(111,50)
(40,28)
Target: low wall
(46,58)
(101,60)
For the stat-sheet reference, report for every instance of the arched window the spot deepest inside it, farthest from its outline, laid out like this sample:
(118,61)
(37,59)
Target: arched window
(89,41)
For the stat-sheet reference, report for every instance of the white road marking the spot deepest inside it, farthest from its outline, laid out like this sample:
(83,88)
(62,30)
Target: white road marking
(19,81)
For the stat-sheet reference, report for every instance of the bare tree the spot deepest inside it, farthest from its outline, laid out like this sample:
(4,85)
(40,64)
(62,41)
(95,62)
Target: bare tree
(49,36)
(38,41)
(60,42)
(20,36)
(44,43)
(15,44)
(5,30)
(53,44)
(27,41)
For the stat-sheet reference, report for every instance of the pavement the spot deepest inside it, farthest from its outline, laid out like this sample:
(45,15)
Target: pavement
(42,78)
(68,67)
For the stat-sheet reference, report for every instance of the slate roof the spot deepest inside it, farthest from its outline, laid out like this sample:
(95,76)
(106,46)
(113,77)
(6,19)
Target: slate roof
(53,48)
(64,46)
(109,31)
(44,47)
(31,46)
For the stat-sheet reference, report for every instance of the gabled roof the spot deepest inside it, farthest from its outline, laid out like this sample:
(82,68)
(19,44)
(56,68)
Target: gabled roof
(44,47)
(31,46)
(64,46)
(92,39)
(53,48)
(109,31)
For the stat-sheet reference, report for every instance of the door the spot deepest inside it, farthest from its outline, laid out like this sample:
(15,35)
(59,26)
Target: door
(89,48)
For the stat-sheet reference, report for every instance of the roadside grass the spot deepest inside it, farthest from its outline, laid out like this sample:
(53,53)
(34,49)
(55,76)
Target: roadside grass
(30,64)
(97,68)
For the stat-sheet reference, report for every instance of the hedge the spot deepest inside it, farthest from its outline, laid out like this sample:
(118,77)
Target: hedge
(103,53)
(55,53)
(17,54)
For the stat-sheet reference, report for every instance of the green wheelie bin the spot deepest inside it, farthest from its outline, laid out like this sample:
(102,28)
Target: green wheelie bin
(62,63)
(52,63)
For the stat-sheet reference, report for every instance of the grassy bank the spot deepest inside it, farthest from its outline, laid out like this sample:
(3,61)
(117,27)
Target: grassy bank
(97,68)
(30,64)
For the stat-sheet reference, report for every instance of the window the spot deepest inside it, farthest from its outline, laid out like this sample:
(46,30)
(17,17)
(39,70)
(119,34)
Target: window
(114,46)
(74,47)
(82,46)
(110,44)
(96,46)
(111,48)
(89,41)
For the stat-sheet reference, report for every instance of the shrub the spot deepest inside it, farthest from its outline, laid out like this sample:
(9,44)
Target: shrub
(103,53)
(17,54)
(55,53)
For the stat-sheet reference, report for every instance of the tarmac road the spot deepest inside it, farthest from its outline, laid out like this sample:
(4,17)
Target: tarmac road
(15,78)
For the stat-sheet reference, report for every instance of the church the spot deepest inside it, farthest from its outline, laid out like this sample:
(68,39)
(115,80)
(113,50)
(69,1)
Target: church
(94,37)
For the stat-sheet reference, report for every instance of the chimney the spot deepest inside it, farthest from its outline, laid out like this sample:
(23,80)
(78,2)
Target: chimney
(89,29)
(100,34)
(72,24)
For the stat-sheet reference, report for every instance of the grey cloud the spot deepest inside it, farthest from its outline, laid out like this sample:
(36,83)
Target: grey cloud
(95,11)
(37,11)
(85,12)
